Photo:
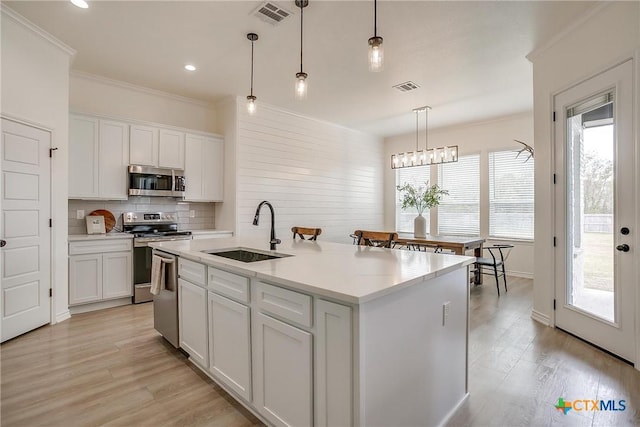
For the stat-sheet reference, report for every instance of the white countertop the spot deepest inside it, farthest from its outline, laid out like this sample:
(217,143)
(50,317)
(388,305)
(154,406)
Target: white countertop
(112,235)
(353,274)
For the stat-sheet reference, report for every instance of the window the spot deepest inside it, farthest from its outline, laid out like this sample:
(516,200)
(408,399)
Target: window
(510,195)
(459,212)
(416,175)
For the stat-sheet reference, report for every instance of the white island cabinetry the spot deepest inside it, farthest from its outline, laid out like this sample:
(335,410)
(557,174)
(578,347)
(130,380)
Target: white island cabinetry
(192,311)
(333,334)
(230,331)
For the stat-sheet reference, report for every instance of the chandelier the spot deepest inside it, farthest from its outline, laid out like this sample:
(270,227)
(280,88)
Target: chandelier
(428,156)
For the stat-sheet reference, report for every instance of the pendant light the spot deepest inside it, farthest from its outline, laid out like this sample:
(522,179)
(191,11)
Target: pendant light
(376,52)
(428,156)
(251,100)
(301,77)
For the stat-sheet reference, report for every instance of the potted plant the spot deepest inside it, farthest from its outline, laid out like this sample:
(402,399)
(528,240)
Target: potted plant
(421,197)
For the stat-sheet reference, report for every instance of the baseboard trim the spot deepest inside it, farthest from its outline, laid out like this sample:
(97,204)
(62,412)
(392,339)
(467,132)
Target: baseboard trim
(454,410)
(100,305)
(61,317)
(540,317)
(521,274)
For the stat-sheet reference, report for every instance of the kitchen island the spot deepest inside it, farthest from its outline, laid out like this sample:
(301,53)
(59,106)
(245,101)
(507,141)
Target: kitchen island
(329,334)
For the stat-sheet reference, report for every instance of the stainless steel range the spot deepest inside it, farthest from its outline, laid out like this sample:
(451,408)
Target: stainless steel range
(149,227)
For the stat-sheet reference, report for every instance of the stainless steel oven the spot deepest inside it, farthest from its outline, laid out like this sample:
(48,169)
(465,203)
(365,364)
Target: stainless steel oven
(149,227)
(148,181)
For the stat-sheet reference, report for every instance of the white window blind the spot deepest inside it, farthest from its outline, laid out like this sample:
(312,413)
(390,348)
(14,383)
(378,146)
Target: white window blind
(459,212)
(416,175)
(511,194)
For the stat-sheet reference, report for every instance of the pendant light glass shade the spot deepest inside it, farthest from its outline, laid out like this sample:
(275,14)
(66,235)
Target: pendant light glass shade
(376,54)
(428,156)
(251,100)
(251,104)
(301,84)
(376,51)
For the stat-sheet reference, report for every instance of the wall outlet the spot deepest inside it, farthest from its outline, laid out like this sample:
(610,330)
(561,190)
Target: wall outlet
(445,312)
(80,214)
(192,214)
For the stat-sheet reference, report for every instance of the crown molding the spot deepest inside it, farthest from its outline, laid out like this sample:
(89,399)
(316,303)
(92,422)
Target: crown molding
(16,17)
(141,89)
(578,22)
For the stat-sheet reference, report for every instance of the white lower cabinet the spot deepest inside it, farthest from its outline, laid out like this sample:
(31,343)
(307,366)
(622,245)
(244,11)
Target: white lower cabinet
(230,343)
(333,363)
(192,313)
(85,278)
(286,354)
(283,372)
(100,270)
(116,271)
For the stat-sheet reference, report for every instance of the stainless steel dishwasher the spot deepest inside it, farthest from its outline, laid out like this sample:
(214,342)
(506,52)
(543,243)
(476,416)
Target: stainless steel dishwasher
(165,304)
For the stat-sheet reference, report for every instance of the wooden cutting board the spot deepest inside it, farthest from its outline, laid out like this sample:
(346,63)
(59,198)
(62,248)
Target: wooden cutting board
(109,219)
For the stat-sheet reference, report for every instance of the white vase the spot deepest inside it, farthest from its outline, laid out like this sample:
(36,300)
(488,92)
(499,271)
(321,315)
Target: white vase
(420,226)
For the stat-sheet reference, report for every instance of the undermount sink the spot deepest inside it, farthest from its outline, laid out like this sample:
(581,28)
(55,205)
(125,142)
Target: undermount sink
(245,255)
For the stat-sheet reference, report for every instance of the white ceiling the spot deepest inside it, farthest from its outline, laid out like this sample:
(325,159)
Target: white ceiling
(468,57)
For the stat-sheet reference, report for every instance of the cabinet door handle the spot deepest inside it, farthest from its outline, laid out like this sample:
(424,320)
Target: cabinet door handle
(3,243)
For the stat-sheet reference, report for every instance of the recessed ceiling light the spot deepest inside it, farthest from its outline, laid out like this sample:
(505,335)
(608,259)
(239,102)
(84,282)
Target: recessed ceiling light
(80,3)
(190,67)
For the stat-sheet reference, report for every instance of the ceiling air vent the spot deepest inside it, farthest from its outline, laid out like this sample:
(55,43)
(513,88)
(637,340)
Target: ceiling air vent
(271,13)
(406,86)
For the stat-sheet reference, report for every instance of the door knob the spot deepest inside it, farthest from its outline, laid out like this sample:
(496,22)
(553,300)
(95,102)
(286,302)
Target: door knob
(3,243)
(623,248)
(624,230)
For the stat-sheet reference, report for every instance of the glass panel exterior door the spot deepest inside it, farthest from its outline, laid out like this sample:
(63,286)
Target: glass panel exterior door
(595,211)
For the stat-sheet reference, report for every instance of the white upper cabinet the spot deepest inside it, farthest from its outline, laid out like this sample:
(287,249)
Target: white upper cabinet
(157,147)
(204,159)
(171,149)
(98,158)
(83,157)
(113,159)
(144,145)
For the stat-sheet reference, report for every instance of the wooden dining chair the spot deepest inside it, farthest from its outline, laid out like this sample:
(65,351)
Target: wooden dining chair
(311,233)
(499,254)
(379,239)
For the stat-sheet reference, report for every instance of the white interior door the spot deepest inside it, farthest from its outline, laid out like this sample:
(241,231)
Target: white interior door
(596,279)
(24,228)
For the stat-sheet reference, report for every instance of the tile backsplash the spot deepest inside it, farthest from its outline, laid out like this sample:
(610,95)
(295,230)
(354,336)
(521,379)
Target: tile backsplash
(203,219)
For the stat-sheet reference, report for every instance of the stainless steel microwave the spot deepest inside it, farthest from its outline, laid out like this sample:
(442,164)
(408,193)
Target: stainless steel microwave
(149,181)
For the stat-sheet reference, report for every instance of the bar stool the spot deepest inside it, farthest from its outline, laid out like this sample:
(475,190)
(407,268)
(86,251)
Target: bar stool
(305,231)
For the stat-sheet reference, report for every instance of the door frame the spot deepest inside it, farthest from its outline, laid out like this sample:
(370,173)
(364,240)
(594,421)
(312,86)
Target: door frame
(634,57)
(52,239)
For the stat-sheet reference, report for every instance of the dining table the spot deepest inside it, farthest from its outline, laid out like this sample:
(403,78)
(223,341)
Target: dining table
(459,245)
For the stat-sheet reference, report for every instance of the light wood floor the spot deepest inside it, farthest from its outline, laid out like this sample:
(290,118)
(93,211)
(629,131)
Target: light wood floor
(112,368)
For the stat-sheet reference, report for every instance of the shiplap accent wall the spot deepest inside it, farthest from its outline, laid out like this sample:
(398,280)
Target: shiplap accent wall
(315,174)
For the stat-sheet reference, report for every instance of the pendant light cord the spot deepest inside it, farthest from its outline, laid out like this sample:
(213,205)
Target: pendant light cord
(375,18)
(426,128)
(251,67)
(417,112)
(301,19)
